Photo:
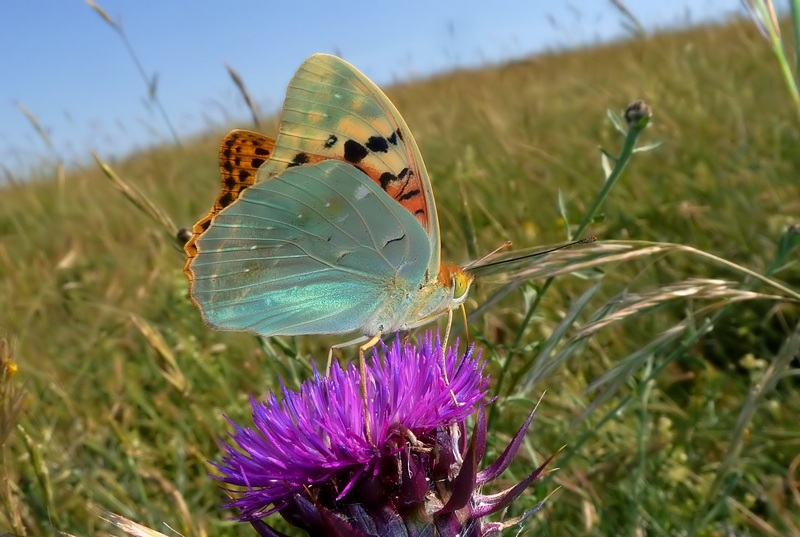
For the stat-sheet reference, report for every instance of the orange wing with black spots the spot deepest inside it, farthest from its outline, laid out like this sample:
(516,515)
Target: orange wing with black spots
(241,153)
(333,111)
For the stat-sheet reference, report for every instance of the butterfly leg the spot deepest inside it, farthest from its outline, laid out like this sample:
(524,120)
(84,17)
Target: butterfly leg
(444,354)
(330,361)
(342,346)
(362,368)
(444,344)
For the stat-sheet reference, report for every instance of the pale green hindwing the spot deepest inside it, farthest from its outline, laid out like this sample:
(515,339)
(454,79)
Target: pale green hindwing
(318,249)
(333,111)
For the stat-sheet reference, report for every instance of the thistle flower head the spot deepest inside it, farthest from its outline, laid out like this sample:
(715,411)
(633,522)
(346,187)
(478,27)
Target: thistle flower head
(308,458)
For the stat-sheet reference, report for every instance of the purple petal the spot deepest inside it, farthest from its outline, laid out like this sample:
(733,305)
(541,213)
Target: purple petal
(309,437)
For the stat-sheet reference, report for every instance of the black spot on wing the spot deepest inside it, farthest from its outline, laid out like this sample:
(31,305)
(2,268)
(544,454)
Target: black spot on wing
(399,134)
(298,160)
(261,151)
(392,139)
(405,174)
(378,144)
(402,194)
(257,162)
(331,141)
(408,195)
(386,178)
(354,152)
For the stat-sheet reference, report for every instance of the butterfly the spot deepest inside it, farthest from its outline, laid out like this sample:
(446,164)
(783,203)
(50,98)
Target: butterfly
(329,229)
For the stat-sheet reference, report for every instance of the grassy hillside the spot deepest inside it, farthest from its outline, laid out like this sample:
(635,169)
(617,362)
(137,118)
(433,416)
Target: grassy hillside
(127,389)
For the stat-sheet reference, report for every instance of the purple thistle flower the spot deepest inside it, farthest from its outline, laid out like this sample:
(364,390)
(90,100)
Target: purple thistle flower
(307,456)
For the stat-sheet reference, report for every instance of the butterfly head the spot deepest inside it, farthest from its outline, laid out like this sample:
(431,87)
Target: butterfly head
(453,277)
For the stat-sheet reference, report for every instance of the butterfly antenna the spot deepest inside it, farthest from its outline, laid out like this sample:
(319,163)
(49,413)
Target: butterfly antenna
(487,256)
(585,240)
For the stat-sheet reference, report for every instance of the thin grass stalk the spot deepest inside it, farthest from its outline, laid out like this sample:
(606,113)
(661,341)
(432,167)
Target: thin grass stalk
(609,252)
(767,383)
(138,198)
(12,404)
(658,343)
(150,83)
(632,22)
(762,12)
(248,99)
(749,273)
(61,174)
(645,390)
(130,527)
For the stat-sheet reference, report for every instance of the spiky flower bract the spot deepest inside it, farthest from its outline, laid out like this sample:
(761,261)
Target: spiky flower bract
(308,458)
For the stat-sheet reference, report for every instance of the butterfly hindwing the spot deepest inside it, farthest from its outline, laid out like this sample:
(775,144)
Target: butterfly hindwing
(333,111)
(319,249)
(241,153)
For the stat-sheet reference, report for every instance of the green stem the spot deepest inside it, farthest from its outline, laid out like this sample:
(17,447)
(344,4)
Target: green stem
(794,6)
(621,163)
(788,75)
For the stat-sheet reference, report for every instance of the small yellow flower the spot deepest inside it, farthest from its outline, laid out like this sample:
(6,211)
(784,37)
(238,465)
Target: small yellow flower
(751,363)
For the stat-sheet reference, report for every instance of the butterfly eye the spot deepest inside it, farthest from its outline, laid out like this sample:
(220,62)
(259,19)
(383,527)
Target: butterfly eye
(461,283)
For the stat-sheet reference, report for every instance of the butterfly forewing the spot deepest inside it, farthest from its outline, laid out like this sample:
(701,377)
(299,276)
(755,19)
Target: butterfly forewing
(332,111)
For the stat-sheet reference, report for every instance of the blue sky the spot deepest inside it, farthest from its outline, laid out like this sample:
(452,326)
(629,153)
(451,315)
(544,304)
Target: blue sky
(69,68)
